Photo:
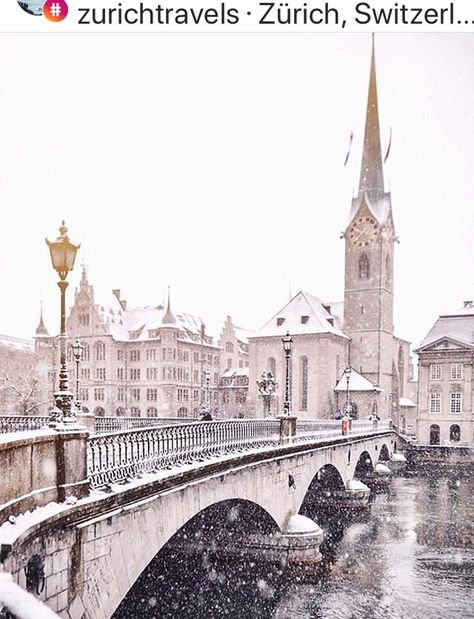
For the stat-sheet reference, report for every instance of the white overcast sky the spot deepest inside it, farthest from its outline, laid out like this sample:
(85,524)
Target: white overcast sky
(215,163)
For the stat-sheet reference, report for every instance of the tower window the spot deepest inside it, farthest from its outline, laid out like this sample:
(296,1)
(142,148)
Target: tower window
(364,267)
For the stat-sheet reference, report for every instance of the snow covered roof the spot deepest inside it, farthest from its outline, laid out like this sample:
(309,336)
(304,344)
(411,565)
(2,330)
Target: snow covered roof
(238,372)
(457,325)
(16,343)
(357,382)
(303,314)
(380,209)
(407,402)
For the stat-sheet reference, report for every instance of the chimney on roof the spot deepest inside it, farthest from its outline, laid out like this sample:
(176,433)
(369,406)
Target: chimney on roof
(467,303)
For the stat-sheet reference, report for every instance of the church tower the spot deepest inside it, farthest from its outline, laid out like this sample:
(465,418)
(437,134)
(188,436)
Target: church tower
(369,241)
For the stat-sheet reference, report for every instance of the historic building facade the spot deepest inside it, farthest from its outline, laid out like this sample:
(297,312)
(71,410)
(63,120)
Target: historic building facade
(146,361)
(446,381)
(357,334)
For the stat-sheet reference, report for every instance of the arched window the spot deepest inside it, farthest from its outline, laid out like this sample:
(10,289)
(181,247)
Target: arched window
(85,409)
(120,411)
(99,411)
(182,412)
(304,383)
(99,348)
(364,267)
(151,412)
(455,433)
(135,411)
(434,434)
(272,366)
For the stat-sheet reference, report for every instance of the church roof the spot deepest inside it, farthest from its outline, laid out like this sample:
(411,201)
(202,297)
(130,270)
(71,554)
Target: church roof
(371,191)
(357,382)
(41,329)
(457,325)
(303,314)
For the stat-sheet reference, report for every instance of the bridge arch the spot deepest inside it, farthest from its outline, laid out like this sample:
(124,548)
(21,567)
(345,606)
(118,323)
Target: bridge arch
(110,541)
(384,455)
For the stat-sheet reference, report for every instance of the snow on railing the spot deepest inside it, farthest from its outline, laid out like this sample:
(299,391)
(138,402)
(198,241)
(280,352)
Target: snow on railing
(116,424)
(22,423)
(123,455)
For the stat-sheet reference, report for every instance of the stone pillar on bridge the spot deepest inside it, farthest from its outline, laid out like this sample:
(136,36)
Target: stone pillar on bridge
(287,428)
(87,420)
(71,461)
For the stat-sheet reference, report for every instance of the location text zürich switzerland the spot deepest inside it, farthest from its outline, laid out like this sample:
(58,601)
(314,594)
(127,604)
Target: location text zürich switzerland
(270,14)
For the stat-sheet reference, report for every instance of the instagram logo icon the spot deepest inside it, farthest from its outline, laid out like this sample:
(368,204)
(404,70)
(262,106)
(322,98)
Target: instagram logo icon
(55,10)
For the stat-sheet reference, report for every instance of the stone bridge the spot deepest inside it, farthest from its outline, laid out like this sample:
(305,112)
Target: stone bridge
(149,483)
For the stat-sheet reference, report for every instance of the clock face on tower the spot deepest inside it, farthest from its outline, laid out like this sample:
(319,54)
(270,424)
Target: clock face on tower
(363,231)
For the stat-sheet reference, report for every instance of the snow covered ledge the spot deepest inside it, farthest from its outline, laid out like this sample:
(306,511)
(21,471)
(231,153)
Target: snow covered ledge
(41,466)
(20,603)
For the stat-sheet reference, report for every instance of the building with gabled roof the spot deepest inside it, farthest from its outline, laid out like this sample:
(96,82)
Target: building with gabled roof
(445,413)
(148,361)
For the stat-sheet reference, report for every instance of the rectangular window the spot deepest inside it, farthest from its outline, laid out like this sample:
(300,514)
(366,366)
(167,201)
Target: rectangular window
(151,354)
(135,374)
(100,373)
(152,395)
(135,394)
(435,402)
(455,403)
(456,371)
(134,354)
(195,395)
(119,373)
(85,374)
(121,394)
(435,371)
(196,357)
(152,373)
(83,394)
(99,394)
(120,355)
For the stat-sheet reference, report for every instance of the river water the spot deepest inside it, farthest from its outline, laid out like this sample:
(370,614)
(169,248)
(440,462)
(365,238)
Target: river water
(410,556)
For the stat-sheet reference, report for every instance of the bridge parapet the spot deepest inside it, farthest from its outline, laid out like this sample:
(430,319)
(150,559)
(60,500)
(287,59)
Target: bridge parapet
(41,466)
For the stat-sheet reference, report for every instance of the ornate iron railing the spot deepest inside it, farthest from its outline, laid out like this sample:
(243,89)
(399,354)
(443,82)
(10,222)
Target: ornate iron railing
(21,423)
(116,424)
(123,455)
(309,429)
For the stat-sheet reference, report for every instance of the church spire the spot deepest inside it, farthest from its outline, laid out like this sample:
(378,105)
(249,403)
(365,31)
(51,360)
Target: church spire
(371,173)
(168,318)
(41,329)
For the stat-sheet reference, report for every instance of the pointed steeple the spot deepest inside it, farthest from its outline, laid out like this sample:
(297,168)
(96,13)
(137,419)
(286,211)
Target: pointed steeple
(371,173)
(168,318)
(41,329)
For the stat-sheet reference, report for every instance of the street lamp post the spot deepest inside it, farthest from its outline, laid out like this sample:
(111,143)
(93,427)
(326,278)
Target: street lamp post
(374,405)
(77,349)
(287,342)
(347,373)
(63,255)
(207,372)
